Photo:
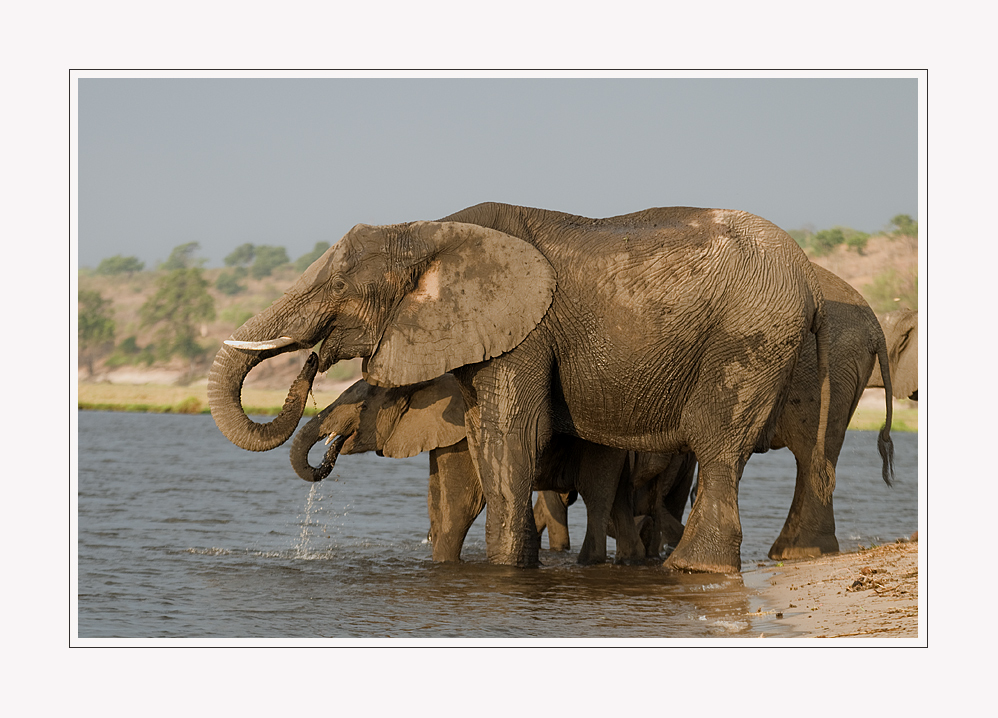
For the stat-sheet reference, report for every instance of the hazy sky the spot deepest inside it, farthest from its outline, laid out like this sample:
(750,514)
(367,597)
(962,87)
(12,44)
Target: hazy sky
(291,162)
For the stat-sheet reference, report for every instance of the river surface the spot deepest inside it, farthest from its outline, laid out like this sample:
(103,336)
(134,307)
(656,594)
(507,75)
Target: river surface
(180,534)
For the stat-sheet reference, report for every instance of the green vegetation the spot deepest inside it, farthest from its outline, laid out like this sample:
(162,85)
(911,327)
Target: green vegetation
(96,328)
(266,259)
(182,257)
(240,256)
(228,282)
(129,352)
(181,303)
(824,242)
(904,225)
(119,265)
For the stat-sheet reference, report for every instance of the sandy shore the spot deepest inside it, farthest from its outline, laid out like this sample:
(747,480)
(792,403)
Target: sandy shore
(867,594)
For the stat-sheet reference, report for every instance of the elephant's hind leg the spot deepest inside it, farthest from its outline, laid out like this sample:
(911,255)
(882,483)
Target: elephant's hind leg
(810,526)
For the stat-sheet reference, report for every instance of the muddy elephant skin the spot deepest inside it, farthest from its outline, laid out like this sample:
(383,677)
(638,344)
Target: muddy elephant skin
(544,319)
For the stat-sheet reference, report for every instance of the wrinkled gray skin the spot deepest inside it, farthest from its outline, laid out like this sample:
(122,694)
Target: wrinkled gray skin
(660,484)
(901,330)
(856,343)
(666,330)
(399,422)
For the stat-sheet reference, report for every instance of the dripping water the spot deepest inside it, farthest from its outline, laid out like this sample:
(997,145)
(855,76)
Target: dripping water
(301,548)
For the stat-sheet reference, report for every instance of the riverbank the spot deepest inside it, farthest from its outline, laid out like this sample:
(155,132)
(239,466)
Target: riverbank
(193,399)
(865,594)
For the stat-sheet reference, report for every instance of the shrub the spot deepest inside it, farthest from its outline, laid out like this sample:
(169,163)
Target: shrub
(267,259)
(119,265)
(228,283)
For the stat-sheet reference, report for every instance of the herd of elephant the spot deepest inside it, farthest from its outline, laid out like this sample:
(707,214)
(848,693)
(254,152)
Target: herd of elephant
(529,350)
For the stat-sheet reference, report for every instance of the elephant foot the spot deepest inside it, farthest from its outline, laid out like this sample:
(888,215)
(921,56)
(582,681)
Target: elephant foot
(687,559)
(803,547)
(590,558)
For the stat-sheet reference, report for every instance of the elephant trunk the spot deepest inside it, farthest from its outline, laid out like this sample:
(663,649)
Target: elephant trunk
(308,437)
(225,383)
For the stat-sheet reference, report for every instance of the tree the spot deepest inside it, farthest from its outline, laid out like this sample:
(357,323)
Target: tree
(119,265)
(228,283)
(856,240)
(96,327)
(303,262)
(180,304)
(904,225)
(826,240)
(243,254)
(182,257)
(267,259)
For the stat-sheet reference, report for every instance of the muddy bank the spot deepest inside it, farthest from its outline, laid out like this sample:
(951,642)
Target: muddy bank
(866,594)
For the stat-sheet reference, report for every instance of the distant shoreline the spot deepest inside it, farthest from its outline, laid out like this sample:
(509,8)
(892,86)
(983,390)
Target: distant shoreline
(193,399)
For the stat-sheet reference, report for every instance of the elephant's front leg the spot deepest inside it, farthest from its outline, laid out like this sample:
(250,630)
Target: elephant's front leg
(712,538)
(508,424)
(454,499)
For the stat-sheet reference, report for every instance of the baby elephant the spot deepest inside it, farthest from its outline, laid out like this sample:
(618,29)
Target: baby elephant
(404,421)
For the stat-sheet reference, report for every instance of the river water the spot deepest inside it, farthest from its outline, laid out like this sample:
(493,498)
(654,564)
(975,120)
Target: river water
(180,534)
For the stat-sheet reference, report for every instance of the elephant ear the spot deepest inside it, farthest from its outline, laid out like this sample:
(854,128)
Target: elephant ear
(903,329)
(480,294)
(434,418)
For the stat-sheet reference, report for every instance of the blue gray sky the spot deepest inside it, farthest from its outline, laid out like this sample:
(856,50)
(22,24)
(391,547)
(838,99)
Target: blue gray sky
(292,162)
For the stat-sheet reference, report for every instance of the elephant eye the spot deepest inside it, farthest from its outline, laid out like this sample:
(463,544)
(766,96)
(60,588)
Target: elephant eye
(338,284)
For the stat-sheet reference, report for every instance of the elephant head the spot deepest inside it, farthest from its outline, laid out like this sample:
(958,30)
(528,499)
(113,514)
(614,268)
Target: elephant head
(415,300)
(901,332)
(397,422)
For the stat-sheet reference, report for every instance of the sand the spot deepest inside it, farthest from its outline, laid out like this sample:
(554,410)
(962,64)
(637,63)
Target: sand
(866,594)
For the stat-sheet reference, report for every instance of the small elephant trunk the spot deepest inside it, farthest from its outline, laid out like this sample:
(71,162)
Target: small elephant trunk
(305,439)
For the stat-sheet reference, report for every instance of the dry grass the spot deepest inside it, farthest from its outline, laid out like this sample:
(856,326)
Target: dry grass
(194,400)
(866,419)
(183,399)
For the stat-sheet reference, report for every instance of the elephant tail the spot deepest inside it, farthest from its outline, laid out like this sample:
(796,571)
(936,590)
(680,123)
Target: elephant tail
(885,445)
(823,468)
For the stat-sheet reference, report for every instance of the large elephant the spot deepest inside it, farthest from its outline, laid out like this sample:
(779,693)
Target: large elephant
(901,330)
(856,345)
(400,422)
(665,330)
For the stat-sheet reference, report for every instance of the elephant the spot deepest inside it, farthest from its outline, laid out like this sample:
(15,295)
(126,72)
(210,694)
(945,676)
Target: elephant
(660,485)
(404,421)
(665,330)
(857,343)
(901,330)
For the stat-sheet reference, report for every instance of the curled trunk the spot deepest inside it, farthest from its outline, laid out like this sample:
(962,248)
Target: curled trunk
(309,436)
(225,384)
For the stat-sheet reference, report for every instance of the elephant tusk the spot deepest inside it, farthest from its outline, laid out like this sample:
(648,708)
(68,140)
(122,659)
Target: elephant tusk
(260,346)
(334,437)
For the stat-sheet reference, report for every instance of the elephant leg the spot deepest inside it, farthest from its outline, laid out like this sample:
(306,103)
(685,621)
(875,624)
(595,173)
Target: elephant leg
(454,499)
(551,512)
(630,546)
(713,535)
(810,526)
(507,417)
(599,482)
